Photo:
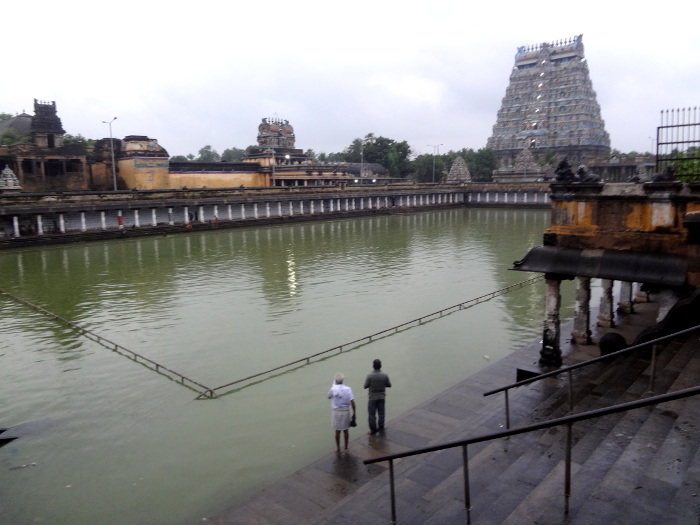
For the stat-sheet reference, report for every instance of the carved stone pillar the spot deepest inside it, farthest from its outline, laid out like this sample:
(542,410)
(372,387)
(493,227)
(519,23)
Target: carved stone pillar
(550,354)
(581,333)
(606,316)
(626,304)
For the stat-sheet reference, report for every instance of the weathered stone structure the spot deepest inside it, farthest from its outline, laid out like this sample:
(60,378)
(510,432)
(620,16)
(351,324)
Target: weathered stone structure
(40,159)
(550,105)
(276,145)
(633,233)
(459,172)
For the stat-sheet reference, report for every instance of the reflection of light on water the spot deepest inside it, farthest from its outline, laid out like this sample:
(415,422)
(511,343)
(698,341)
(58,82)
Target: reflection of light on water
(291,274)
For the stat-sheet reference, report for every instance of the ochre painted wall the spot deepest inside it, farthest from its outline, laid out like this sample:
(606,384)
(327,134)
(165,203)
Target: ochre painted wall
(153,174)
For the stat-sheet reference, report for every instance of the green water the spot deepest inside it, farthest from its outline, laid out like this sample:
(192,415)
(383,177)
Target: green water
(107,440)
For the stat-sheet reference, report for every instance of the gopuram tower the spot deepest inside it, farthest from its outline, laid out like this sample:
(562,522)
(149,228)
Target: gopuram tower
(550,106)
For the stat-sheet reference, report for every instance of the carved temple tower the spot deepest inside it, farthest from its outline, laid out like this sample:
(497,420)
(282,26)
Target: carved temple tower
(550,105)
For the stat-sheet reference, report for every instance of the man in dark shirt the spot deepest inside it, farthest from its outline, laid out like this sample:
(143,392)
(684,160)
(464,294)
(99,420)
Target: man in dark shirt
(377,382)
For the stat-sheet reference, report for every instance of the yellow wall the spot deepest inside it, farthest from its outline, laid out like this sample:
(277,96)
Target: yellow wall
(217,180)
(153,174)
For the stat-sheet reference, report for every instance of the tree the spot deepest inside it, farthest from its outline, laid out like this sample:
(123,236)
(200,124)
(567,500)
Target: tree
(232,155)
(485,162)
(178,158)
(394,156)
(5,116)
(10,137)
(69,140)
(207,154)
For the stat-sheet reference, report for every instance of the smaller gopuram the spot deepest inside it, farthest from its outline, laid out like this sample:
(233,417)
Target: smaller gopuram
(9,181)
(459,172)
(276,145)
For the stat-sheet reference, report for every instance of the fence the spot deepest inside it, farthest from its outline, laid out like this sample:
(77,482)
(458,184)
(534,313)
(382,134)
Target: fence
(678,143)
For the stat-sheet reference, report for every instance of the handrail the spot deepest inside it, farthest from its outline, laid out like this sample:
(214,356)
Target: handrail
(568,420)
(591,361)
(568,369)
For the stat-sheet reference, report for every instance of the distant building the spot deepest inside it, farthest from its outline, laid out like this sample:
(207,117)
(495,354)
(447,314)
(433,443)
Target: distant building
(39,159)
(550,106)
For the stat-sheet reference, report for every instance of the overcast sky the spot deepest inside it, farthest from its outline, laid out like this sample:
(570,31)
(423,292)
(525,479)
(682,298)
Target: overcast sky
(195,73)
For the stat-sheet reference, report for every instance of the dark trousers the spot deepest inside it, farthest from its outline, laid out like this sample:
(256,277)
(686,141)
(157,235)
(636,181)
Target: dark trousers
(375,407)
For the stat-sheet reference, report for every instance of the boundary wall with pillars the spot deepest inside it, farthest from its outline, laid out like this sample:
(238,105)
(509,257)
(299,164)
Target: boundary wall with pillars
(32,219)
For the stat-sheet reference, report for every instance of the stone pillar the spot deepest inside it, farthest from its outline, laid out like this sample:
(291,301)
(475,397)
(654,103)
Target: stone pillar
(267,210)
(606,316)
(320,205)
(137,223)
(255,210)
(216,211)
(39,225)
(186,213)
(62,223)
(230,212)
(83,224)
(301,207)
(279,208)
(170,216)
(15,225)
(291,208)
(154,217)
(550,354)
(311,207)
(242,211)
(581,333)
(626,304)
(201,214)
(640,295)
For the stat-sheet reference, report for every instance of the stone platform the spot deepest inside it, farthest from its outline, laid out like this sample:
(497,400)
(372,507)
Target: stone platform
(642,466)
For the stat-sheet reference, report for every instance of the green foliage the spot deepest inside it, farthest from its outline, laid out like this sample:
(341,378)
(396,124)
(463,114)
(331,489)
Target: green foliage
(330,157)
(178,158)
(207,154)
(394,156)
(233,155)
(687,165)
(5,116)
(86,144)
(423,167)
(10,137)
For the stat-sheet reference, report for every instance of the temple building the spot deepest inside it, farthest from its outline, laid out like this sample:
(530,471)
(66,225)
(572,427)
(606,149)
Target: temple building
(550,107)
(38,157)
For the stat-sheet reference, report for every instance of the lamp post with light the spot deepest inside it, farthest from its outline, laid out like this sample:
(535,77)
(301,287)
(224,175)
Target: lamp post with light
(111,143)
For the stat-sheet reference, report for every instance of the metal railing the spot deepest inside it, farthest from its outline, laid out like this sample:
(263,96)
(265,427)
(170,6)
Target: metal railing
(569,369)
(383,333)
(678,142)
(566,420)
(202,390)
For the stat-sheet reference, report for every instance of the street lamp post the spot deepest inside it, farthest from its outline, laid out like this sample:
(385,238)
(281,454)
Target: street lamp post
(362,158)
(111,143)
(435,147)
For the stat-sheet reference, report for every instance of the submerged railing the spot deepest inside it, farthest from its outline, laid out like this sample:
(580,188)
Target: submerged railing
(209,393)
(383,333)
(122,350)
